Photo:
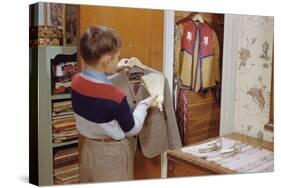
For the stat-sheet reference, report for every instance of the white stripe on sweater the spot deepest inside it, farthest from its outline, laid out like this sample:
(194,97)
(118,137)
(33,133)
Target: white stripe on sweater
(111,128)
(98,130)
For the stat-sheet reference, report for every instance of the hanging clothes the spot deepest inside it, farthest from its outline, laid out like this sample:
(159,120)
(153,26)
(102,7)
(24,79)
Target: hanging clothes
(181,114)
(197,55)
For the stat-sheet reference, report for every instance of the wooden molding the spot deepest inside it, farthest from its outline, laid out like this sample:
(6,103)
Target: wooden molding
(269,127)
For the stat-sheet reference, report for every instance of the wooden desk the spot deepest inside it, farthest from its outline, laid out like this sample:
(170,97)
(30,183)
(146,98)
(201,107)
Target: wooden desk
(183,164)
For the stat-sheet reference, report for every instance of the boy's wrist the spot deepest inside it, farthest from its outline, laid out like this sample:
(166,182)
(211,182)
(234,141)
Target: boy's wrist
(145,104)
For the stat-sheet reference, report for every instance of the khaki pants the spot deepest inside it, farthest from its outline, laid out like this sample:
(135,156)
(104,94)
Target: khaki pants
(105,161)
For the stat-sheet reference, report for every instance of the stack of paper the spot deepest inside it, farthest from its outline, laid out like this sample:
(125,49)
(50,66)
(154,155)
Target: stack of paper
(64,128)
(66,166)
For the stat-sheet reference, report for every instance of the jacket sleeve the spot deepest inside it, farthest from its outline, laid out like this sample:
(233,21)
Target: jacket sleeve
(216,57)
(177,51)
(172,126)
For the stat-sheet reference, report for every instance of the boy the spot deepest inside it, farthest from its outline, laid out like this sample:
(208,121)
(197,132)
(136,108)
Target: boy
(103,116)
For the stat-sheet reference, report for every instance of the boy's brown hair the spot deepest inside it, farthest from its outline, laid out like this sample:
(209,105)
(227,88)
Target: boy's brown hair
(98,41)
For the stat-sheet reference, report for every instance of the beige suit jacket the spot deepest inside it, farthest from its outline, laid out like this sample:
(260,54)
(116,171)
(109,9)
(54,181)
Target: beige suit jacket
(160,130)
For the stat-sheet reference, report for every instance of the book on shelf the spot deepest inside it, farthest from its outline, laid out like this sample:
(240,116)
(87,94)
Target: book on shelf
(57,119)
(65,157)
(66,174)
(64,129)
(55,114)
(61,108)
(57,182)
(64,137)
(66,163)
(64,124)
(65,154)
(66,160)
(63,104)
(68,169)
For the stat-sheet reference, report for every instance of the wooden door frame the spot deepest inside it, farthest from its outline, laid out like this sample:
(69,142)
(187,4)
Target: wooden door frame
(168,58)
(229,73)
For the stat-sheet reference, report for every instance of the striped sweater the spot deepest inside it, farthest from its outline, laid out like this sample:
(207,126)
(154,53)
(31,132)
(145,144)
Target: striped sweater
(101,109)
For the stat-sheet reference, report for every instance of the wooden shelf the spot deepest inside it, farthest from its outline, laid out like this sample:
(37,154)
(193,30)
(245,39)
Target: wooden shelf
(55,145)
(61,96)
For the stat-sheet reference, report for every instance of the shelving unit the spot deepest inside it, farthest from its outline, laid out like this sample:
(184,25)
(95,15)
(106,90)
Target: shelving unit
(41,143)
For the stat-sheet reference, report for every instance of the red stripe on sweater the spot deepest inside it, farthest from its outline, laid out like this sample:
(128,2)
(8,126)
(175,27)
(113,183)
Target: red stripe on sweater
(97,90)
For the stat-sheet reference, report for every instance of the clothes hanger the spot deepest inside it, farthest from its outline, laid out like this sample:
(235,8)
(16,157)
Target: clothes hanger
(198,17)
(132,62)
(183,20)
(136,62)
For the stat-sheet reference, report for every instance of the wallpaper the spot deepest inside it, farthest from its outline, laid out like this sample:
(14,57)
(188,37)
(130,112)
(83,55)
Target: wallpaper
(253,82)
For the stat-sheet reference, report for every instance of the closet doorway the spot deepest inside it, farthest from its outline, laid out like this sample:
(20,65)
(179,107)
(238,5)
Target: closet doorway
(198,50)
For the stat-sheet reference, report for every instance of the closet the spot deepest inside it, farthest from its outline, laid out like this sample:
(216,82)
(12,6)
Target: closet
(198,112)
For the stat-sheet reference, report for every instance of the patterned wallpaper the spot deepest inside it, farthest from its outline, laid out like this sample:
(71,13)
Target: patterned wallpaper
(254,69)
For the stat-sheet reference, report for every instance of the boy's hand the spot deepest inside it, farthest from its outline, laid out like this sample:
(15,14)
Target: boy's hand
(123,64)
(150,101)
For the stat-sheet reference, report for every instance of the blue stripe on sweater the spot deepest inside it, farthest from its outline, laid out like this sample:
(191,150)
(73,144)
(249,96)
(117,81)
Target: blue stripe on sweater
(103,110)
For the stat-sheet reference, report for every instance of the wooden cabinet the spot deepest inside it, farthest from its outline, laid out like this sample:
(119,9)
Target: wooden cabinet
(180,168)
(203,117)
(184,164)
(141,30)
